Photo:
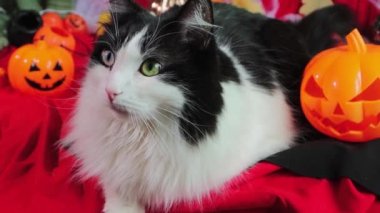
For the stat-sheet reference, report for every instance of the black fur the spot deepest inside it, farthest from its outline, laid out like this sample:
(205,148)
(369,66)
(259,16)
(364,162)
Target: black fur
(275,54)
(318,27)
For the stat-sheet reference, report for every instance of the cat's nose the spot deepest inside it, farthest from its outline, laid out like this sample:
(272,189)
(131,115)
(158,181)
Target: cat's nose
(112,94)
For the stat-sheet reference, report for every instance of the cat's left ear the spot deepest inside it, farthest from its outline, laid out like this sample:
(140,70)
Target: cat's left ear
(197,22)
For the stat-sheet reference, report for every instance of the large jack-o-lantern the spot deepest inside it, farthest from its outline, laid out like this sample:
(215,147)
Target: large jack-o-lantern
(340,92)
(40,68)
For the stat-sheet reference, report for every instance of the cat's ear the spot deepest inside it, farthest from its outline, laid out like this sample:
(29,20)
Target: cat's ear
(124,6)
(197,22)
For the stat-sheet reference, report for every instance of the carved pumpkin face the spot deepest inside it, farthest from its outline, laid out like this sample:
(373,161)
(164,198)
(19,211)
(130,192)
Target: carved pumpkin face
(75,23)
(55,36)
(40,68)
(340,91)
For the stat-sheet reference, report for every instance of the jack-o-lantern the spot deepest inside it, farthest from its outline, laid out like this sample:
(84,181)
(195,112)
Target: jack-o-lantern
(75,23)
(52,19)
(340,91)
(56,36)
(40,68)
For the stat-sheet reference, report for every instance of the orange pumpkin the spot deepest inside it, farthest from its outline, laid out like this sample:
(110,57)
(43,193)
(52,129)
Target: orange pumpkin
(40,68)
(340,91)
(75,23)
(2,77)
(56,36)
(104,18)
(52,19)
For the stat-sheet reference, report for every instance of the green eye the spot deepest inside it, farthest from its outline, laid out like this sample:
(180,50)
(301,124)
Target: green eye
(150,68)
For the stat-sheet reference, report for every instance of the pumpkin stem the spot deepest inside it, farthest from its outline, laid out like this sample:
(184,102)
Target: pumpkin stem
(355,42)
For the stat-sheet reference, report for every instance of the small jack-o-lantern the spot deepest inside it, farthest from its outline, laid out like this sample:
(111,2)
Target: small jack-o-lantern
(75,23)
(340,91)
(52,19)
(56,36)
(40,68)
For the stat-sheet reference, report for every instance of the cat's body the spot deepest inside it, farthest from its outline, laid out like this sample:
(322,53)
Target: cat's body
(220,103)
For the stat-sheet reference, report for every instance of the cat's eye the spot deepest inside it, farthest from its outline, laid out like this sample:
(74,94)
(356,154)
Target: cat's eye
(150,68)
(108,58)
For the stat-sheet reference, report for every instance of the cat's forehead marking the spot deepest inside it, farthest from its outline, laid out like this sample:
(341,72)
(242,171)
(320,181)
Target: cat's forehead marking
(133,46)
(128,59)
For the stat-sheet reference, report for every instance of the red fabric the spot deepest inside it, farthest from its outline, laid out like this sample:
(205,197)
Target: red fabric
(281,9)
(144,3)
(365,10)
(268,188)
(36,177)
(32,177)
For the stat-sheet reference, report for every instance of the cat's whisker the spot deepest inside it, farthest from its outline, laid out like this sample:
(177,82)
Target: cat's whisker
(196,126)
(179,115)
(163,144)
(64,99)
(193,26)
(114,17)
(164,147)
(102,42)
(155,33)
(195,106)
(53,106)
(175,137)
(182,129)
(154,39)
(165,35)
(110,36)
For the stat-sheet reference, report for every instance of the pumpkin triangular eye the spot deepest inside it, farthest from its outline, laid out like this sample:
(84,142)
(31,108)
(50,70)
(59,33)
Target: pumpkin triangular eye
(313,89)
(34,67)
(58,67)
(371,93)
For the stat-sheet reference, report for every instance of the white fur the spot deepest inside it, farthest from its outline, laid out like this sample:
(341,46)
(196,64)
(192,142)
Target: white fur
(141,166)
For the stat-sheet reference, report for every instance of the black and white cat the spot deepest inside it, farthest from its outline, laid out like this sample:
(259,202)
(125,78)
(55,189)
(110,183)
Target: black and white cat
(174,106)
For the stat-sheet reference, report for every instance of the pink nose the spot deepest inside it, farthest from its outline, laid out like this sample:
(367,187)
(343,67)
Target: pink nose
(112,94)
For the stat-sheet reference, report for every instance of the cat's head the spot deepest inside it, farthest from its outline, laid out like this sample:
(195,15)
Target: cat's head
(153,65)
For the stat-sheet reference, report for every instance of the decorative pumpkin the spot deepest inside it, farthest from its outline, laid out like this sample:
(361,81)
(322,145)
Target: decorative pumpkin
(2,72)
(2,77)
(40,68)
(56,36)
(104,18)
(74,23)
(52,19)
(340,91)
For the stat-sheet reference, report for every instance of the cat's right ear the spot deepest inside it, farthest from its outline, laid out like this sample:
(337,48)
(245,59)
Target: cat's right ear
(197,21)
(124,6)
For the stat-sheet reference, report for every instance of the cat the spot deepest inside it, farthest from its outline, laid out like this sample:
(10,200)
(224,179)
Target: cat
(174,106)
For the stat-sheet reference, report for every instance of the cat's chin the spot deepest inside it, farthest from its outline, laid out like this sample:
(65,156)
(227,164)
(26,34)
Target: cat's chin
(119,111)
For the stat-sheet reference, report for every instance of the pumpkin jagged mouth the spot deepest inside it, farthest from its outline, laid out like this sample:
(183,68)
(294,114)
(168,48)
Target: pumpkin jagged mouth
(347,126)
(38,86)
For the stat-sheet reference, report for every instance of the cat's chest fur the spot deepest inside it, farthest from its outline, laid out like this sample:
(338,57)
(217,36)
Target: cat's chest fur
(152,163)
